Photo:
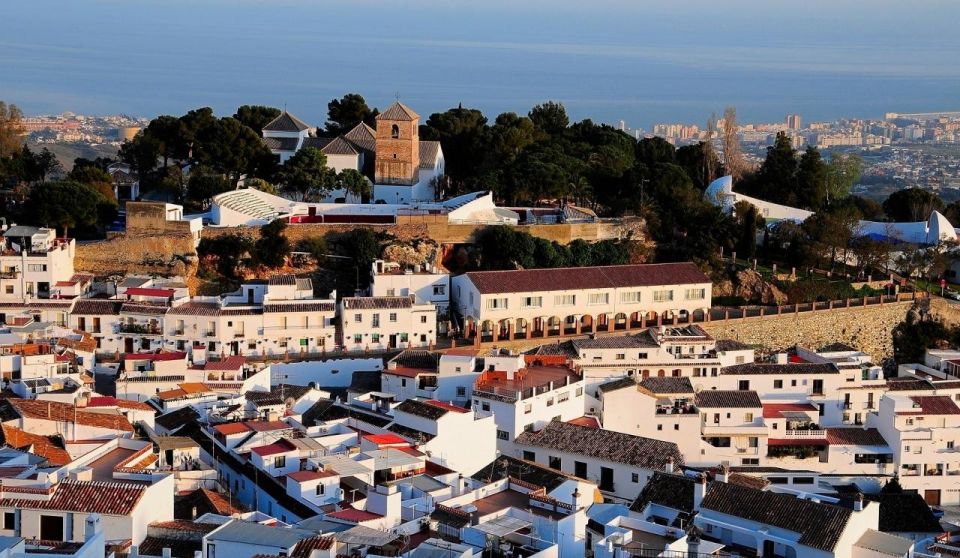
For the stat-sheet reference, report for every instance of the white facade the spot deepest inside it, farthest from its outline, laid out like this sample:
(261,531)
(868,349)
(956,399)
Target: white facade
(34,263)
(387,322)
(427,285)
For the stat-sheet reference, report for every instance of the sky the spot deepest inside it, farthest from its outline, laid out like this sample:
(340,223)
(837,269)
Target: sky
(642,62)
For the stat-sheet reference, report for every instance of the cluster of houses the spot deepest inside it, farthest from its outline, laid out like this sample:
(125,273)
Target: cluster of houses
(138,420)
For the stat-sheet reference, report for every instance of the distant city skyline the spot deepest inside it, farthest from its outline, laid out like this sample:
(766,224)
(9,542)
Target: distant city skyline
(643,63)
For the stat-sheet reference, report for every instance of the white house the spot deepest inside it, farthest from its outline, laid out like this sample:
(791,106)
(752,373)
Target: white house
(539,303)
(34,263)
(387,322)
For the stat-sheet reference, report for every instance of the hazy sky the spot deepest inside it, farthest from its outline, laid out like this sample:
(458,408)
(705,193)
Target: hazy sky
(644,62)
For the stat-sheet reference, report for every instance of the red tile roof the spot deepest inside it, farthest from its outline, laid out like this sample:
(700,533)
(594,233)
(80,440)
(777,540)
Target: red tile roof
(386,439)
(142,291)
(261,426)
(281,446)
(590,422)
(932,405)
(64,412)
(447,406)
(106,401)
(773,410)
(109,498)
(306,476)
(230,363)
(231,428)
(306,547)
(408,372)
(797,442)
(354,515)
(36,444)
(580,278)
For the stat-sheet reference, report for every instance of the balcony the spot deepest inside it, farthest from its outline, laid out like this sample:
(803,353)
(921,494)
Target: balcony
(238,335)
(9,274)
(805,434)
(177,331)
(139,329)
(748,451)
(210,333)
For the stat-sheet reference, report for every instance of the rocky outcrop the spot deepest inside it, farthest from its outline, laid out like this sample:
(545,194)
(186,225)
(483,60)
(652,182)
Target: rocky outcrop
(750,286)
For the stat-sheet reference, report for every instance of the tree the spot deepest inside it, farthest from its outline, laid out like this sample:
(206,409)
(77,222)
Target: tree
(911,205)
(748,221)
(733,159)
(204,184)
(256,117)
(39,166)
(262,185)
(228,250)
(812,186)
(462,133)
(316,246)
(651,151)
(64,204)
(305,175)
(230,147)
(345,113)
(509,136)
(843,171)
(272,248)
(776,179)
(352,182)
(549,117)
(12,131)
(141,153)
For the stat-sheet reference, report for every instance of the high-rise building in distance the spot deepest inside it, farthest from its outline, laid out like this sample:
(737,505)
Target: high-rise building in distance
(792,121)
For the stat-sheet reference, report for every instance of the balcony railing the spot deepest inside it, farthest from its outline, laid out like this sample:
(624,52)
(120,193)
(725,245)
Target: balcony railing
(141,329)
(209,333)
(805,434)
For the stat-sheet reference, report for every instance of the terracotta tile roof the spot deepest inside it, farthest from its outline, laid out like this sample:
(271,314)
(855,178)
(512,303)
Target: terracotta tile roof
(755,368)
(307,476)
(407,372)
(854,437)
(932,405)
(96,307)
(398,111)
(728,399)
(446,406)
(205,501)
(300,307)
(377,302)
(339,146)
(819,525)
(306,547)
(362,137)
(606,445)
(49,448)
(195,309)
(908,384)
(667,384)
(286,122)
(108,498)
(588,421)
(145,308)
(421,409)
(281,446)
(674,491)
(64,412)
(179,547)
(353,515)
(417,358)
(618,384)
(120,403)
(230,363)
(581,278)
(428,153)
(775,410)
(282,144)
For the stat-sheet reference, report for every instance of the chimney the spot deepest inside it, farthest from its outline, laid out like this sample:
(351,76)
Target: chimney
(193,513)
(577,498)
(91,527)
(385,501)
(858,502)
(723,473)
(197,554)
(134,551)
(167,553)
(669,466)
(699,491)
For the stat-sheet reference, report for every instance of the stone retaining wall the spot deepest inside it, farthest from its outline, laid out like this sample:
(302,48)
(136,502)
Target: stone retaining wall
(866,328)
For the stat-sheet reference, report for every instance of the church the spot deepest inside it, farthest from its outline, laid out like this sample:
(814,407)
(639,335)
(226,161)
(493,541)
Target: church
(401,166)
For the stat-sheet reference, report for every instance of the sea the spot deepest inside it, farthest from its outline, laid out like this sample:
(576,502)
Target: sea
(634,61)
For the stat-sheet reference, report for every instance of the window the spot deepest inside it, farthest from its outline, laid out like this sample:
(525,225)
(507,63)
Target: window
(403,382)
(634,477)
(564,300)
(503,435)
(357,338)
(532,302)
(527,408)
(485,406)
(676,426)
(423,319)
(497,304)
(561,397)
(439,290)
(211,550)
(659,427)
(395,131)
(747,417)
(403,337)
(621,356)
(793,383)
(358,318)
(374,337)
(391,292)
(550,402)
(580,469)
(304,342)
(579,391)
(10,521)
(695,294)
(375,320)
(8,289)
(528,427)
(393,316)
(599,298)
(280,461)
(36,267)
(51,527)
(950,445)
(802,480)
(778,384)
(461,391)
(554,462)
(630,297)
(319,490)
(743,385)
(529,455)
(641,355)
(663,296)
